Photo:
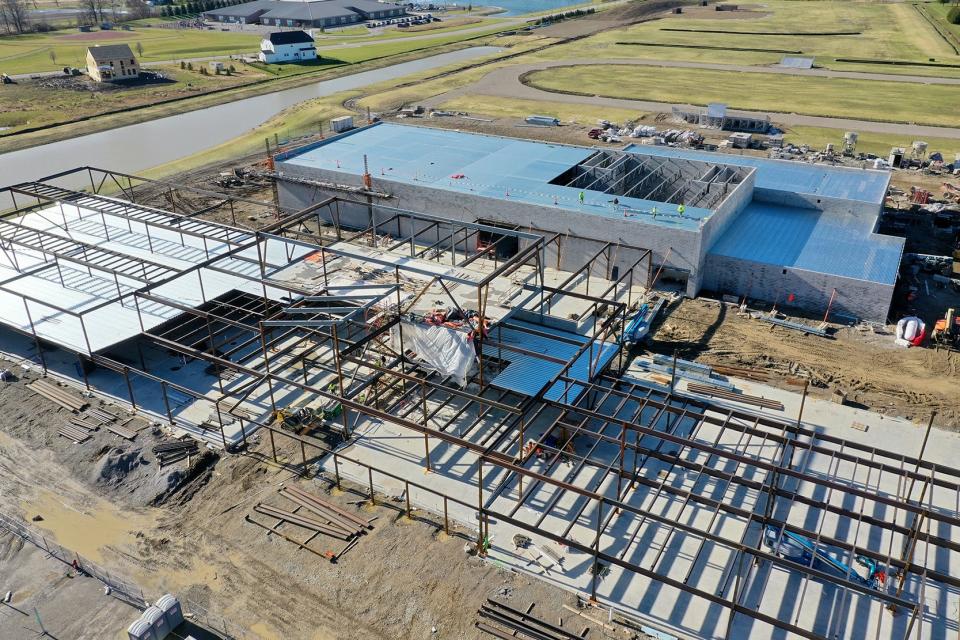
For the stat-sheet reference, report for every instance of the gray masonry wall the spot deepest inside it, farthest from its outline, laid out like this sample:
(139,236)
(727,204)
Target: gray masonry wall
(687,250)
(858,298)
(681,247)
(725,214)
(807,201)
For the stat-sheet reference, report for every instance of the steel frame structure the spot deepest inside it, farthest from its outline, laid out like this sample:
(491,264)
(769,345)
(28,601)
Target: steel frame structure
(630,432)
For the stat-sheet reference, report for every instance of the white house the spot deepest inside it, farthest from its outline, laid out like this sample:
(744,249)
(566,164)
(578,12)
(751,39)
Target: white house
(287,46)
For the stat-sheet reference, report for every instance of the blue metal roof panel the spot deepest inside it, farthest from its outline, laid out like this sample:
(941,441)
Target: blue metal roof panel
(842,245)
(845,183)
(527,374)
(491,166)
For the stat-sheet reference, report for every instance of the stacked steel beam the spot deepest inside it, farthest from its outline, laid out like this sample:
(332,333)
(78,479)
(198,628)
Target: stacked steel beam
(509,623)
(173,452)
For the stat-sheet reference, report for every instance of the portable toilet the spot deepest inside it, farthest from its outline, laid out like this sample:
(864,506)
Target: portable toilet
(172,610)
(140,630)
(154,616)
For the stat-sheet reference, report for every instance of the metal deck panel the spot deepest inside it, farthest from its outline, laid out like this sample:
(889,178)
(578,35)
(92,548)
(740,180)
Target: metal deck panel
(528,374)
(813,241)
(81,290)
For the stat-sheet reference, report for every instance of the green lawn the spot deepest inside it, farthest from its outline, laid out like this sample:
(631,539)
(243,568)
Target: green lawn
(893,31)
(836,97)
(29,104)
(878,143)
(30,53)
(939,11)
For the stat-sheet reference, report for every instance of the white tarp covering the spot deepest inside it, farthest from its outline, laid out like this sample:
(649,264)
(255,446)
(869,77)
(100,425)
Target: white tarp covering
(908,329)
(445,350)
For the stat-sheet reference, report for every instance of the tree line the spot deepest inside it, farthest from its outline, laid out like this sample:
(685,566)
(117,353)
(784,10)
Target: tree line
(196,6)
(15,14)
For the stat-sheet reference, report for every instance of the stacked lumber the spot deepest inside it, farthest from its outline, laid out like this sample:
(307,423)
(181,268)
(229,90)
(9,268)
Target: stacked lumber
(122,430)
(173,452)
(56,394)
(83,423)
(724,394)
(510,623)
(100,415)
(756,375)
(75,433)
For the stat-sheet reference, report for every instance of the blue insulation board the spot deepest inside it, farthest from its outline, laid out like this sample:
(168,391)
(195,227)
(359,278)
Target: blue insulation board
(527,374)
(811,240)
(483,165)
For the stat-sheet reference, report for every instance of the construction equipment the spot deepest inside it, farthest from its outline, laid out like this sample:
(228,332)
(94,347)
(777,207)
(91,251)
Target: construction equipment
(801,550)
(946,331)
(295,418)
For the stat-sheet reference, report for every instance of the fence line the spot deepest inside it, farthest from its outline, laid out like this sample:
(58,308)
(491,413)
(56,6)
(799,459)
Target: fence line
(120,588)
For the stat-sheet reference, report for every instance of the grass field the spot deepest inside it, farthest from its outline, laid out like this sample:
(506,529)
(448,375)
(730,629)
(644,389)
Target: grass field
(31,53)
(497,107)
(939,11)
(834,97)
(877,143)
(889,32)
(31,104)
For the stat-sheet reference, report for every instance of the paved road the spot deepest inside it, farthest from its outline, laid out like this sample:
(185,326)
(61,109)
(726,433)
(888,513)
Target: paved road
(506,82)
(822,73)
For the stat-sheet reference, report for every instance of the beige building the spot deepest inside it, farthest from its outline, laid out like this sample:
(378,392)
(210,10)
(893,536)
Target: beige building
(112,62)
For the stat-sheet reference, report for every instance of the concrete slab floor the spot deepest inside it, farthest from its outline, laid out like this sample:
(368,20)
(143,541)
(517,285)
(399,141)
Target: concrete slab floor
(654,543)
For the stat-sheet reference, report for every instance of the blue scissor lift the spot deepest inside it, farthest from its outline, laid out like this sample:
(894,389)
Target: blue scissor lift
(802,550)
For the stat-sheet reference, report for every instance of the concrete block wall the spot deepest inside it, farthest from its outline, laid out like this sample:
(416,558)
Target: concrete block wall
(726,213)
(858,298)
(680,247)
(811,201)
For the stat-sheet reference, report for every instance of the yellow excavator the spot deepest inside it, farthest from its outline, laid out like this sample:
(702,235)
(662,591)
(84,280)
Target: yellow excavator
(946,332)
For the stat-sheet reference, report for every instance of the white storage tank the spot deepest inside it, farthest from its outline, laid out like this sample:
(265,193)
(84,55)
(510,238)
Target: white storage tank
(154,616)
(172,610)
(341,124)
(141,630)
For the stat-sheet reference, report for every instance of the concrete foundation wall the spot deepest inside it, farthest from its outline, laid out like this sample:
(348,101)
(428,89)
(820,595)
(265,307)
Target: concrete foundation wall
(858,298)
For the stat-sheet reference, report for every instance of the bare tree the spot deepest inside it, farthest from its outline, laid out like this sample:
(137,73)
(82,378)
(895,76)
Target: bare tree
(139,50)
(94,9)
(13,14)
(137,9)
(53,56)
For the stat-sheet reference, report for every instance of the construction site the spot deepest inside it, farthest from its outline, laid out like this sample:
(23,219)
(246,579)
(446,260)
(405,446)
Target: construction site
(421,383)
